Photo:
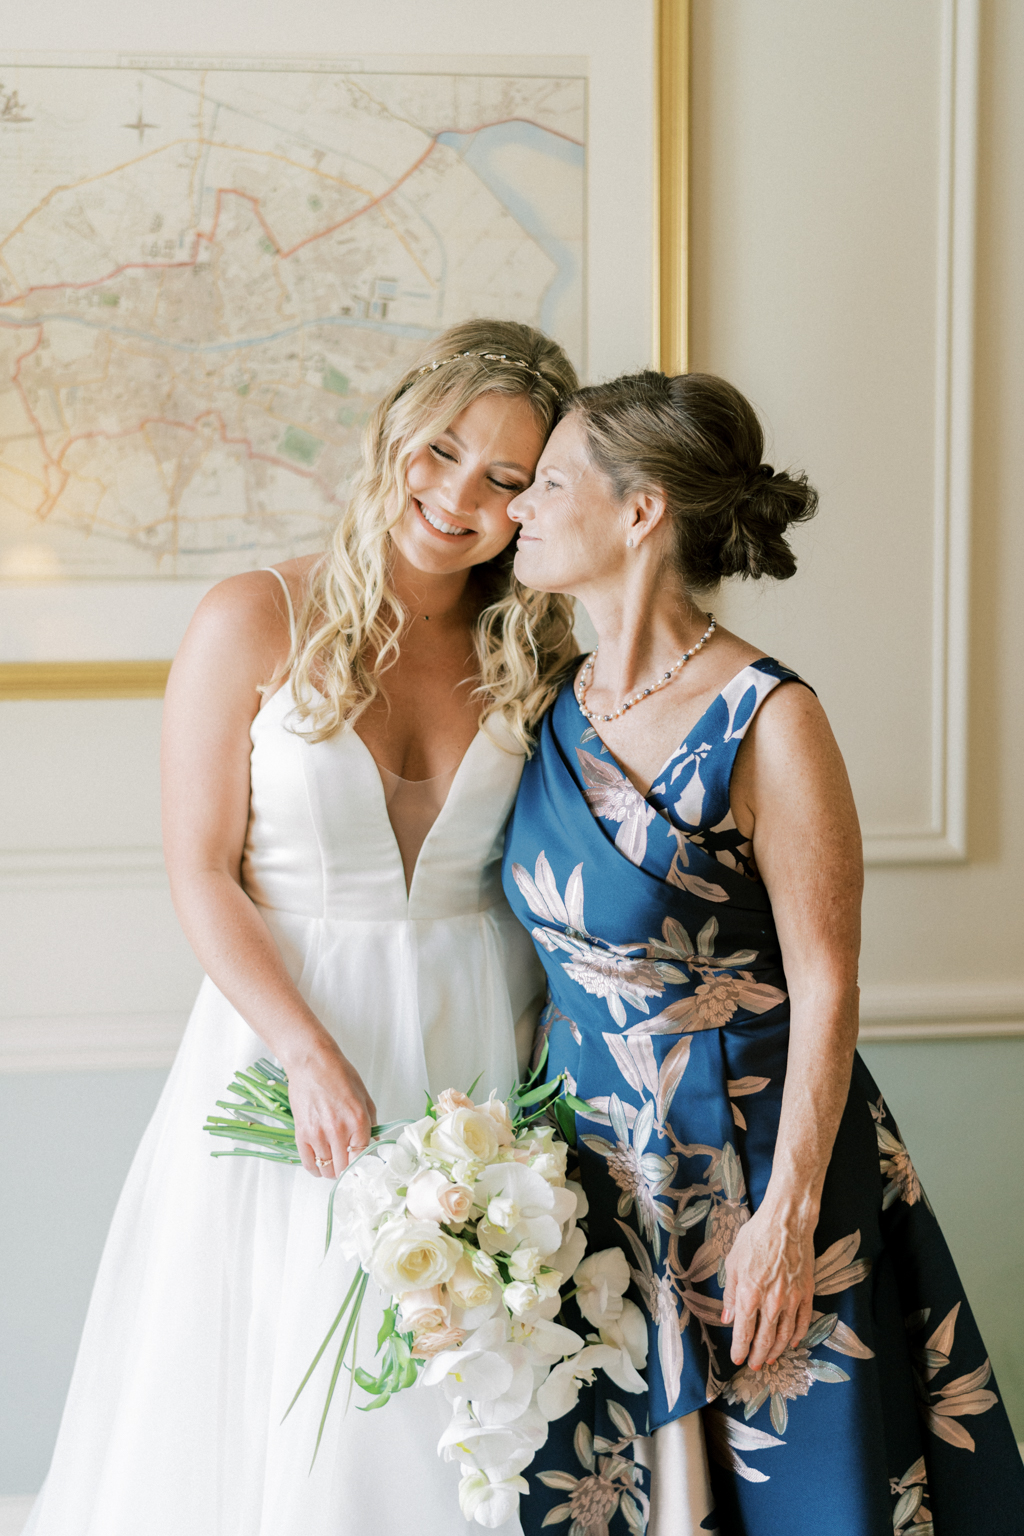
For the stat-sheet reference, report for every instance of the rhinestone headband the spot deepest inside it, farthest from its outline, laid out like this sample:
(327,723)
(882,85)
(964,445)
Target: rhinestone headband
(488,357)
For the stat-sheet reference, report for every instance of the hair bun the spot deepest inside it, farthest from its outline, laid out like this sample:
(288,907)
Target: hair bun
(756,521)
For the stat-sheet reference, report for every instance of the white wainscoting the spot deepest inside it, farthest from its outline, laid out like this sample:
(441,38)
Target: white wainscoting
(866,378)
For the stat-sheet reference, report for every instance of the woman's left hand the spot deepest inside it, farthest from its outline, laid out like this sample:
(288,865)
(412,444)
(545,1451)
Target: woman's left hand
(769,1289)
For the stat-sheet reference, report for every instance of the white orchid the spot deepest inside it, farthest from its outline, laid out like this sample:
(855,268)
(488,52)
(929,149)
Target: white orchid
(560,1392)
(501,1449)
(601,1282)
(628,1335)
(487,1371)
(521,1207)
(361,1203)
(489,1503)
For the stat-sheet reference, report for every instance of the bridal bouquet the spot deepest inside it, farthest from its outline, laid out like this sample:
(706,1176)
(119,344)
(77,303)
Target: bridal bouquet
(466,1220)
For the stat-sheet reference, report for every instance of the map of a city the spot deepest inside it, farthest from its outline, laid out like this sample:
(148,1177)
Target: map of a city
(209,275)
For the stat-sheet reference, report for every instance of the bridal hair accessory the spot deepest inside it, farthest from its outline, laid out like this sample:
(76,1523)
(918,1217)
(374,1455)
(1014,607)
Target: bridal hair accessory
(467,1222)
(488,357)
(587,677)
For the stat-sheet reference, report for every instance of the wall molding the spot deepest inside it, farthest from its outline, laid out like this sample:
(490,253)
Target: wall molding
(99,1042)
(956,1011)
(90,1042)
(79,868)
(944,839)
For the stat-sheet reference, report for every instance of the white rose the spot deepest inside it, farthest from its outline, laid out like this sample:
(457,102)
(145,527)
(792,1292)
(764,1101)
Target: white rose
(498,1111)
(466,1135)
(423,1310)
(450,1098)
(520,1298)
(467,1288)
(524,1263)
(432,1197)
(412,1256)
(550,1166)
(536,1140)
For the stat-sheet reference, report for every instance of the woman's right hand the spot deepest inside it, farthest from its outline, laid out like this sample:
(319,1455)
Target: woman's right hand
(333,1111)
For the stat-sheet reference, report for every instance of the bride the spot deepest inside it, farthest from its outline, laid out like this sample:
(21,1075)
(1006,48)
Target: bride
(343,742)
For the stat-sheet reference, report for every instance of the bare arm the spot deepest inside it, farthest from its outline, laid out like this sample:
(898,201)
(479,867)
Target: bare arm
(791,783)
(236,640)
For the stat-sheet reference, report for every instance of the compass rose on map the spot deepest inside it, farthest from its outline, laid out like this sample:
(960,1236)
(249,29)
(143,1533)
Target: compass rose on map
(140,126)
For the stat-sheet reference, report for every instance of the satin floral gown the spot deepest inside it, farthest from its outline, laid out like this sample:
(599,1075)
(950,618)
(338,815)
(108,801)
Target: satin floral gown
(668,1011)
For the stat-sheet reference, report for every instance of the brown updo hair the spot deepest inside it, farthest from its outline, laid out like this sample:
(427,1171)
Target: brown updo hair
(697,441)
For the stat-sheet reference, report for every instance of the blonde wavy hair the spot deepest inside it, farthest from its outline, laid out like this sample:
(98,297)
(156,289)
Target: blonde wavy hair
(351,622)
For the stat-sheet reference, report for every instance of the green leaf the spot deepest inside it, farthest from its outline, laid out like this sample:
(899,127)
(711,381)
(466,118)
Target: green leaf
(360,1274)
(472,1087)
(364,1277)
(566,1120)
(378,1402)
(581,1106)
(387,1327)
(535,1095)
(542,1062)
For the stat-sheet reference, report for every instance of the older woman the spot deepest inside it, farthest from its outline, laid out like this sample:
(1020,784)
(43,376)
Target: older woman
(685,851)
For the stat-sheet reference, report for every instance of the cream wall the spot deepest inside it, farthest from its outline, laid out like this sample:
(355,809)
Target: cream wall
(816,216)
(816,164)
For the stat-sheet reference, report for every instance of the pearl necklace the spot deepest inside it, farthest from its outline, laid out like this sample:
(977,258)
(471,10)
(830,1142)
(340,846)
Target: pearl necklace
(587,677)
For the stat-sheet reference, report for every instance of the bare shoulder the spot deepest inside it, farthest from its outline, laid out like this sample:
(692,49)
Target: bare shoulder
(238,638)
(790,757)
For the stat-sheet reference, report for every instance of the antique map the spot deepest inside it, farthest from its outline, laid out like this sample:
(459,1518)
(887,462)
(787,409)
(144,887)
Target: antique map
(208,275)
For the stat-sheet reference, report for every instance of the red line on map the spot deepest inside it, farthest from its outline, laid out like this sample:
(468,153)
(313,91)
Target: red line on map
(210,237)
(193,426)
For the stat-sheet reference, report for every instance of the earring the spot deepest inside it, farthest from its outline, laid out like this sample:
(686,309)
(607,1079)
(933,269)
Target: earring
(629,543)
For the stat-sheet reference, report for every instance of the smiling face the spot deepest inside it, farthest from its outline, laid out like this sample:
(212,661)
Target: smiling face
(461,483)
(573,528)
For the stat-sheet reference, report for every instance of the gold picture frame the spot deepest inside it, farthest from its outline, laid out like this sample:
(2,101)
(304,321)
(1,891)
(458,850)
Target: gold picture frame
(147,679)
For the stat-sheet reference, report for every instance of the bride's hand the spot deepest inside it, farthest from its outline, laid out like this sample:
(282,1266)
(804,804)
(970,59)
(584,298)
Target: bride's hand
(769,1289)
(333,1111)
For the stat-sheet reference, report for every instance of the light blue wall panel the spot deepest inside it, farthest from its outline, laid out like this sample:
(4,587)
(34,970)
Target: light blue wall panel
(66,1141)
(960,1108)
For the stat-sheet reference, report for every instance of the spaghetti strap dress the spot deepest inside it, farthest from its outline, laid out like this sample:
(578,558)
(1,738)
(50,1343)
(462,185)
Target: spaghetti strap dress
(214,1293)
(668,1011)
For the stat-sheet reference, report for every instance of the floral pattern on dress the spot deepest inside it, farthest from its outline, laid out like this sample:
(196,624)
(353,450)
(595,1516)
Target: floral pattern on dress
(679,1041)
(960,1398)
(612,1481)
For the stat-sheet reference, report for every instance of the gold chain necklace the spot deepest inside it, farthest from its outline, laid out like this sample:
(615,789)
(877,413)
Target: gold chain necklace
(587,677)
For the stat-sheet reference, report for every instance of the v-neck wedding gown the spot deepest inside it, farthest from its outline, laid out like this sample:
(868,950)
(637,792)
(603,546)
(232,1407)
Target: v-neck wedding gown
(213,1293)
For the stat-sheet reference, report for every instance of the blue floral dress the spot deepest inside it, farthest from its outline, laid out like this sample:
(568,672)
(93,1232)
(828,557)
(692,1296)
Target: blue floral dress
(668,1011)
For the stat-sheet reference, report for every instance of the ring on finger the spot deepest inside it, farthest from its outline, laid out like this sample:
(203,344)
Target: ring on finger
(322,1162)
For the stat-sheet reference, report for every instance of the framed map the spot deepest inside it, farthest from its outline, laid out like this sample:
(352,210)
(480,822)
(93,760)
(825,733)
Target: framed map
(209,270)
(207,276)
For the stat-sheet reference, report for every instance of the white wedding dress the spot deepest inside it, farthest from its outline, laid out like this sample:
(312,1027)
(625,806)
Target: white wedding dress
(213,1293)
